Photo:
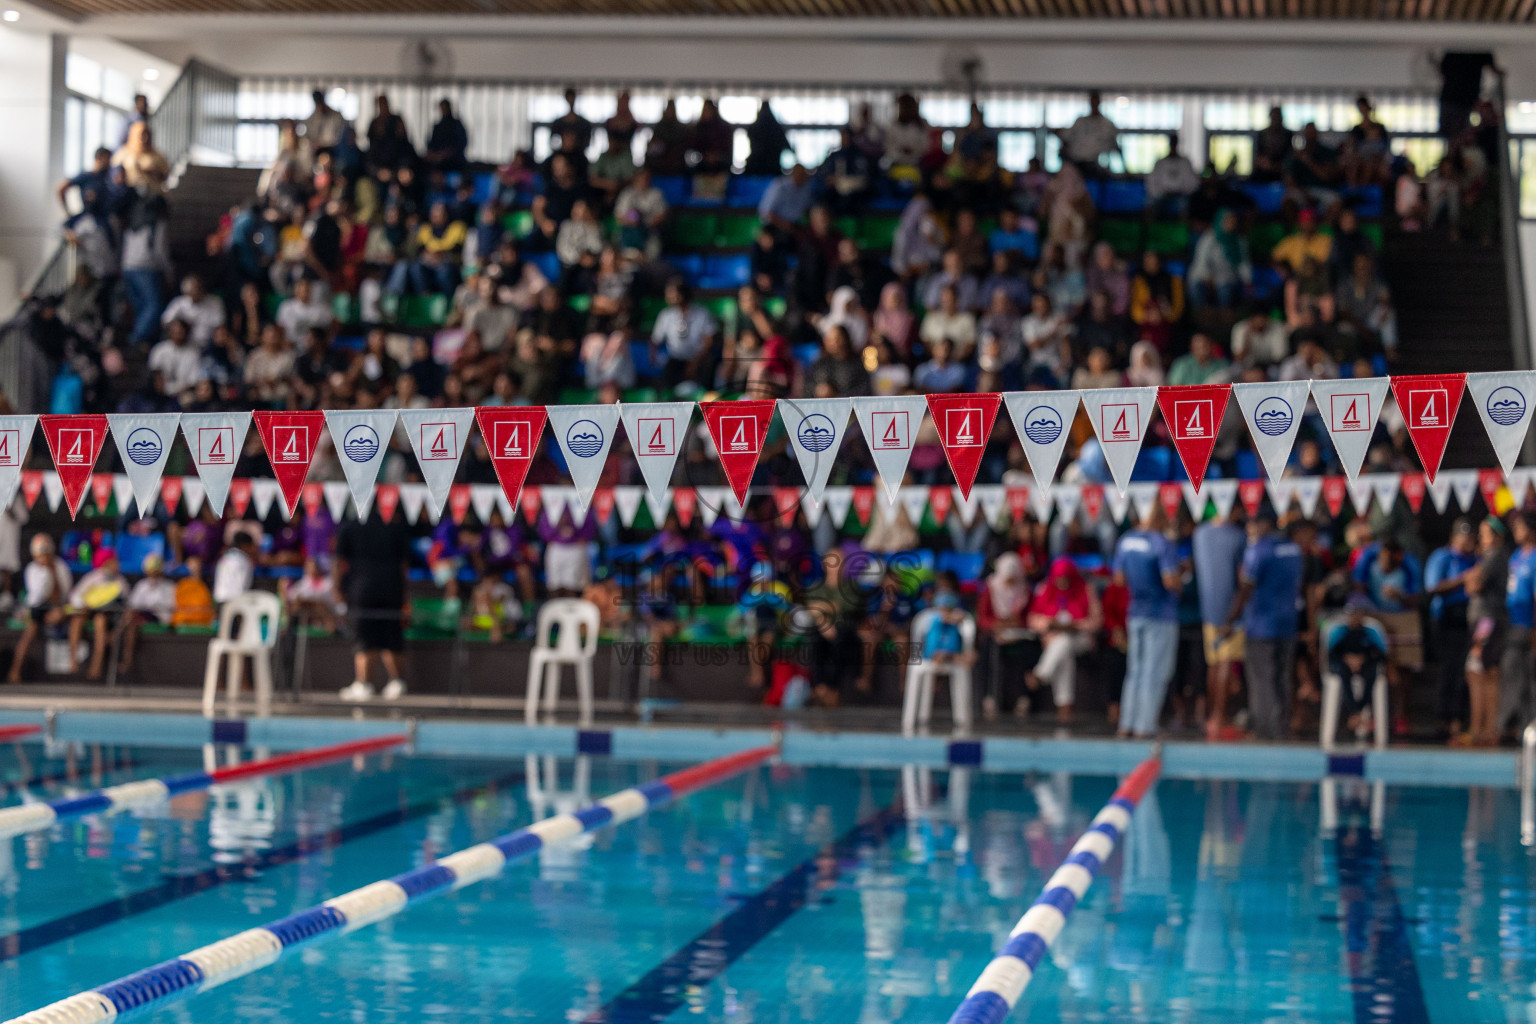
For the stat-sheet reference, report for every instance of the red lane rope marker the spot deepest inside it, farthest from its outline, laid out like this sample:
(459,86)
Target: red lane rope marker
(16,732)
(304,758)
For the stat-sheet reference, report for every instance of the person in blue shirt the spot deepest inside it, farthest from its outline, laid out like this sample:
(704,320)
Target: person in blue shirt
(1218,555)
(1445,574)
(788,200)
(1518,665)
(940,373)
(1268,592)
(1013,235)
(1147,565)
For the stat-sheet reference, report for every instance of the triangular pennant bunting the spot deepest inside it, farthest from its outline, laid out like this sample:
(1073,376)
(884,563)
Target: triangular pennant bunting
(913,500)
(290,439)
(1195,500)
(1414,485)
(361,439)
(815,427)
(627,501)
(991,498)
(1223,494)
(838,501)
(1043,421)
(964,422)
(413,498)
(890,428)
(1349,409)
(1120,418)
(1193,414)
(75,443)
(1068,499)
(336,493)
(171,489)
(386,497)
(458,502)
(438,437)
(1171,497)
(1118,502)
(31,486)
(1281,492)
(264,492)
(15,443)
(122,494)
(1360,492)
(1309,490)
(216,440)
(1093,502)
(658,506)
(1272,411)
(1503,401)
(657,432)
(193,494)
(1144,497)
(685,501)
(1428,403)
(511,434)
(584,434)
(940,501)
(1463,486)
(1335,490)
(1251,494)
(738,430)
(53,491)
(1384,488)
(144,443)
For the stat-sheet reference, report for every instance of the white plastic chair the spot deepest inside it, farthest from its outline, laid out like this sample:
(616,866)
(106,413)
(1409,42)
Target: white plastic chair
(917,703)
(1333,686)
(575,623)
(258,614)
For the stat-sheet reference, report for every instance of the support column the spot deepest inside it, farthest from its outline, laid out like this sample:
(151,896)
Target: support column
(31,158)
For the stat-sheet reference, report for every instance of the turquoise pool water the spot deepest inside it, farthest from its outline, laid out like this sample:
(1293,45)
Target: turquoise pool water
(785,895)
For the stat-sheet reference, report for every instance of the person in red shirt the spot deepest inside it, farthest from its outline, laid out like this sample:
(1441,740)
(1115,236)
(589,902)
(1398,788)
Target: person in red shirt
(1064,612)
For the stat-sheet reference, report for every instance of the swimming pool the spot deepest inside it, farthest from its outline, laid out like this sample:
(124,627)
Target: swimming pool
(788,893)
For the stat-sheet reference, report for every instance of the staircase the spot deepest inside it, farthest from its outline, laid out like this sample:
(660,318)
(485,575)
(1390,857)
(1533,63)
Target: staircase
(202,195)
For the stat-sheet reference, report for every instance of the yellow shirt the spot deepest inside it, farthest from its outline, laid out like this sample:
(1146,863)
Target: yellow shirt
(1292,250)
(450,241)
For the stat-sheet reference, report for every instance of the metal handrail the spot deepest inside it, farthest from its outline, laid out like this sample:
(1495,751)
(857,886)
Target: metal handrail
(1509,238)
(1528,786)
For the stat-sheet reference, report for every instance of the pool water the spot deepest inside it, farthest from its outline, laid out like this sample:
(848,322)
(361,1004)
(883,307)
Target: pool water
(787,894)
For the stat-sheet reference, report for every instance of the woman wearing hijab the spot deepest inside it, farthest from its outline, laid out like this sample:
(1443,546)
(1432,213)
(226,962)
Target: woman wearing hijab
(1064,613)
(918,242)
(1221,266)
(1000,616)
(849,315)
(767,142)
(893,319)
(1146,369)
(1067,207)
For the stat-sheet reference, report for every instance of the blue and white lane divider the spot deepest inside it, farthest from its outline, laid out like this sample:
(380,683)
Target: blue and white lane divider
(34,817)
(252,950)
(1003,981)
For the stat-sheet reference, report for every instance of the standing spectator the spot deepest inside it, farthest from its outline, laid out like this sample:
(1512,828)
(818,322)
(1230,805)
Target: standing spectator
(201,312)
(144,169)
(1517,675)
(1218,546)
(573,125)
(685,334)
(1000,617)
(389,145)
(46,583)
(1445,575)
(94,188)
(848,176)
(906,140)
(1147,565)
(1064,613)
(1221,267)
(1091,137)
(449,142)
(1269,589)
(236,569)
(372,559)
(139,115)
(146,264)
(323,127)
(302,313)
(1488,615)
(1172,181)
(667,152)
(1272,148)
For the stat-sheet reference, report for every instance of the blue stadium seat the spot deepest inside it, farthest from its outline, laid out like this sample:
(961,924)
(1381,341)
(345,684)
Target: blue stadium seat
(1177,268)
(747,189)
(1247,465)
(640,352)
(965,564)
(1266,282)
(486,186)
(1124,196)
(1364,199)
(548,264)
(1089,562)
(350,342)
(807,353)
(690,266)
(726,271)
(1095,189)
(1153,464)
(132,550)
(1266,197)
(674,187)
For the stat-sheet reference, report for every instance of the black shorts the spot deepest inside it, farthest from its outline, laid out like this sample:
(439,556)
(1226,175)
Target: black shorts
(378,629)
(40,613)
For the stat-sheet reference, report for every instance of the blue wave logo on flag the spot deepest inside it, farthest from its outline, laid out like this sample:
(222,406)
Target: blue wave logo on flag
(1506,406)
(1273,416)
(361,443)
(584,439)
(144,447)
(1043,424)
(816,433)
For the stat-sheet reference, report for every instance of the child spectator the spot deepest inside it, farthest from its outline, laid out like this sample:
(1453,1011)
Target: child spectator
(152,599)
(944,643)
(235,571)
(1355,655)
(97,596)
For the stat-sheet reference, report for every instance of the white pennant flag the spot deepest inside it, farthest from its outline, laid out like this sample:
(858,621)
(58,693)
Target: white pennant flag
(992,498)
(964,507)
(1463,484)
(53,490)
(838,500)
(1349,409)
(890,429)
(1520,482)
(336,492)
(1309,490)
(15,441)
(1144,496)
(1281,492)
(361,439)
(1119,503)
(438,437)
(1121,418)
(584,433)
(122,491)
(1360,492)
(215,440)
(914,500)
(192,494)
(626,502)
(812,509)
(1504,401)
(1195,500)
(556,500)
(264,491)
(658,506)
(1042,502)
(815,427)
(1223,493)
(1440,491)
(1384,487)
(1068,498)
(482,498)
(413,498)
(1043,421)
(144,443)
(707,508)
(1273,411)
(656,432)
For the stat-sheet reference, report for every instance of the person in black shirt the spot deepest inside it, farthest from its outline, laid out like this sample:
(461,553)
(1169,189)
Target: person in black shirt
(449,141)
(372,559)
(767,142)
(562,190)
(314,367)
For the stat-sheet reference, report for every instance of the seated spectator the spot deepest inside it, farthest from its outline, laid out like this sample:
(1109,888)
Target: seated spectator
(1364,305)
(1310,362)
(46,584)
(269,368)
(1308,296)
(893,320)
(200,311)
(685,337)
(152,600)
(1014,234)
(1064,282)
(891,376)
(770,262)
(943,643)
(639,212)
(312,598)
(489,318)
(1200,365)
(838,371)
(1349,241)
(1106,273)
(969,243)
(847,176)
(918,244)
(97,597)
(606,359)
(1005,278)
(948,320)
(952,274)
(847,313)
(1098,372)
(236,569)
(436,265)
(1292,250)
(578,244)
(1146,367)
(1047,337)
(1153,284)
(1067,209)
(177,360)
(1272,149)
(940,373)
(563,189)
(194,602)
(305,311)
(788,199)
(1002,325)
(448,141)
(1172,181)
(1386,575)
(1259,340)
(1064,613)
(1356,657)
(1221,268)
(861,274)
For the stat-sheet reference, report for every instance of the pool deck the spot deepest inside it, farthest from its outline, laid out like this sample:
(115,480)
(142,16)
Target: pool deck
(854,737)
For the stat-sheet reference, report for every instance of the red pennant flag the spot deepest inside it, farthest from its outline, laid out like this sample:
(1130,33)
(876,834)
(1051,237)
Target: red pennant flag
(511,434)
(738,430)
(170,492)
(31,485)
(1489,481)
(458,503)
(1251,494)
(863,503)
(1093,501)
(1018,502)
(1414,487)
(786,500)
(386,498)
(533,501)
(684,501)
(75,443)
(940,501)
(1172,496)
(290,439)
(240,495)
(602,503)
(964,422)
(1193,414)
(101,491)
(313,496)
(1428,403)
(1334,490)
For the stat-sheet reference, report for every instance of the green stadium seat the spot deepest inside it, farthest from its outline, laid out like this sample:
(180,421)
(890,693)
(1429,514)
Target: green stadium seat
(577,396)
(639,395)
(878,232)
(775,306)
(1123,235)
(694,230)
(580,303)
(735,231)
(650,307)
(519,223)
(1264,237)
(345,308)
(848,227)
(1171,238)
(724,309)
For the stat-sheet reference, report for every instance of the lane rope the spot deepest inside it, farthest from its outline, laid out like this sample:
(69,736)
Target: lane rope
(251,950)
(1000,985)
(35,817)
(16,732)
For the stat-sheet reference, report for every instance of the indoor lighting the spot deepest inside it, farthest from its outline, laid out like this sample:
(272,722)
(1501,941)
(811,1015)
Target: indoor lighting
(11,15)
(151,74)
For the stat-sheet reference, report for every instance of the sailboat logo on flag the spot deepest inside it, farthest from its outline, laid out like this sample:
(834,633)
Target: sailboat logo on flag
(76,446)
(964,428)
(1506,406)
(1427,407)
(511,439)
(892,431)
(439,442)
(817,433)
(1193,419)
(1042,424)
(739,433)
(584,439)
(10,448)
(361,443)
(218,445)
(1121,422)
(1274,416)
(657,435)
(292,444)
(144,447)
(1350,412)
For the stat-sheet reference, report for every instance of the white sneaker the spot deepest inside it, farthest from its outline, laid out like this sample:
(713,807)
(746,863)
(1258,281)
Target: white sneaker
(394,689)
(357,692)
